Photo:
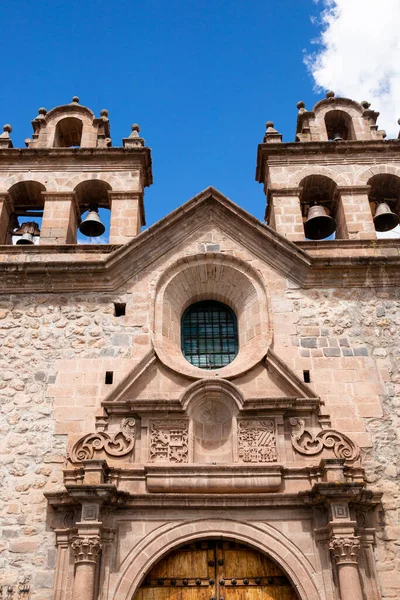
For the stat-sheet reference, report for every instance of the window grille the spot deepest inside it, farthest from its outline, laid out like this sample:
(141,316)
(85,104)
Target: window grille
(209,335)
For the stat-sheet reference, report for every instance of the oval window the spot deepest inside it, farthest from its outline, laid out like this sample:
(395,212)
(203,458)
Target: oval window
(209,335)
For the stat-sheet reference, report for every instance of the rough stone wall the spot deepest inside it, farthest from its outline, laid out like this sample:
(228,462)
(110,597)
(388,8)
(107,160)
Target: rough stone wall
(349,341)
(35,333)
(56,349)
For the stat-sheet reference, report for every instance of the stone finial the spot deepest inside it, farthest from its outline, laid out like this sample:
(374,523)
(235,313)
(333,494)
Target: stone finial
(271,135)
(330,94)
(365,104)
(134,139)
(86,549)
(104,112)
(75,100)
(42,111)
(5,140)
(300,105)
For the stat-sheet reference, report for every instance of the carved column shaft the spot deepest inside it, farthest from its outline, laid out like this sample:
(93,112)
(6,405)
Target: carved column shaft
(345,552)
(86,552)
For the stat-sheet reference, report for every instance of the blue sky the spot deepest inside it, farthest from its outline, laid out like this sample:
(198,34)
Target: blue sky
(201,77)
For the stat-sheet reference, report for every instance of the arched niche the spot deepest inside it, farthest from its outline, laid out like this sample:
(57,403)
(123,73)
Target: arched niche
(28,203)
(212,407)
(321,191)
(93,194)
(68,133)
(339,124)
(211,277)
(385,189)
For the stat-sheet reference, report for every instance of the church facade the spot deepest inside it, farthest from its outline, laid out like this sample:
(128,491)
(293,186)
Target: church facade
(207,409)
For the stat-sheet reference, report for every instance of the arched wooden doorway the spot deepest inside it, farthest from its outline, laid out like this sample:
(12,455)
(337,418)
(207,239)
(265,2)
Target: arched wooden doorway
(216,570)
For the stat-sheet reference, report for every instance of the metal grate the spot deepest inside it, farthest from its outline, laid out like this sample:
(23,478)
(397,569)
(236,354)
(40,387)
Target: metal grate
(209,335)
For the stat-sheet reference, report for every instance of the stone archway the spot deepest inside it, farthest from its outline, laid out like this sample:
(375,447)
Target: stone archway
(216,569)
(304,578)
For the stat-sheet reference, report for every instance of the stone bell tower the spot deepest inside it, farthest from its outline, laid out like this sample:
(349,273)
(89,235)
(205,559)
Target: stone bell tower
(328,181)
(69,167)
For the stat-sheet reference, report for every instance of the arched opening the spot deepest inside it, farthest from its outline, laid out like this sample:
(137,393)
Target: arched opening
(384,198)
(209,335)
(94,209)
(68,133)
(26,219)
(339,126)
(319,201)
(216,568)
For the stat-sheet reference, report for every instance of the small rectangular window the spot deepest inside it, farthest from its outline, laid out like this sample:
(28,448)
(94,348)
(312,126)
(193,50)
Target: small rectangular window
(119,309)
(306,376)
(109,377)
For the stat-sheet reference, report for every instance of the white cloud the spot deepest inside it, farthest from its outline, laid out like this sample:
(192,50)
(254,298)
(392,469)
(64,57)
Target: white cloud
(358,54)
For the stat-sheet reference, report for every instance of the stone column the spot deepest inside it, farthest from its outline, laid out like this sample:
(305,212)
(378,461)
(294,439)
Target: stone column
(60,218)
(284,213)
(353,216)
(127,216)
(86,552)
(5,212)
(345,552)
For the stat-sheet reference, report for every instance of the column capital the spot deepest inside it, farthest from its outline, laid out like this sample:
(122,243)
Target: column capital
(345,549)
(86,549)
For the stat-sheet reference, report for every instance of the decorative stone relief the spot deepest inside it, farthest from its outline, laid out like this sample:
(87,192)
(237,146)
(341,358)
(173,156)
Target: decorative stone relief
(306,442)
(86,549)
(345,550)
(169,441)
(120,443)
(257,440)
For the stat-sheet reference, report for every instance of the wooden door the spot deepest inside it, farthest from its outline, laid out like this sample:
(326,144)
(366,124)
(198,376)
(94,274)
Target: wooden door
(216,570)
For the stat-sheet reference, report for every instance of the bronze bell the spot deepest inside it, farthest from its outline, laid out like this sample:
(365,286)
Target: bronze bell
(319,225)
(385,219)
(27,231)
(92,225)
(337,138)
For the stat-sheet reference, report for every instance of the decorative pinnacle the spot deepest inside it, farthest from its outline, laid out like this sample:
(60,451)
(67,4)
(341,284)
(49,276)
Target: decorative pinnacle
(398,121)
(269,124)
(300,105)
(42,111)
(7,128)
(330,94)
(135,127)
(104,112)
(365,104)
(75,99)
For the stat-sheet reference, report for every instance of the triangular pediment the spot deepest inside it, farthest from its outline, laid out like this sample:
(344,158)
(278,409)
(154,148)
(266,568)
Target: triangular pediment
(151,386)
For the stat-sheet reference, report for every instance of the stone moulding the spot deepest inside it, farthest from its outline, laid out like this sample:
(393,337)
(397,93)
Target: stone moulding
(306,442)
(220,479)
(118,444)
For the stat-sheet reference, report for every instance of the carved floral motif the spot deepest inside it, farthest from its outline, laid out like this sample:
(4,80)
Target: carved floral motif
(345,550)
(257,440)
(86,549)
(120,443)
(169,441)
(306,442)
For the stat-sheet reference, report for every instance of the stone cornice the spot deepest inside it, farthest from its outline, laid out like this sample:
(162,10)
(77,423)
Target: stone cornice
(60,158)
(320,150)
(23,269)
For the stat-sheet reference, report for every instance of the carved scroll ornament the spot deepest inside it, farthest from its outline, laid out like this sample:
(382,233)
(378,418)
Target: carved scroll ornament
(120,443)
(306,442)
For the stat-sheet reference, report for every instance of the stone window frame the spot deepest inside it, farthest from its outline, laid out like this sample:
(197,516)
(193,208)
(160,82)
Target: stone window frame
(211,276)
